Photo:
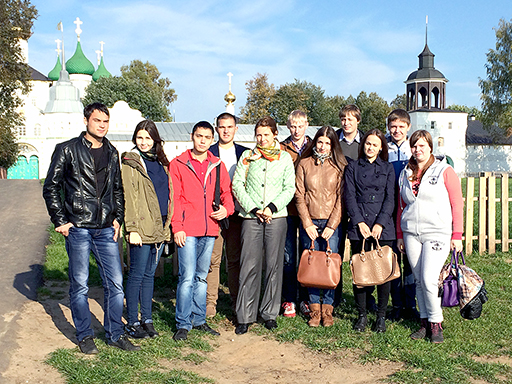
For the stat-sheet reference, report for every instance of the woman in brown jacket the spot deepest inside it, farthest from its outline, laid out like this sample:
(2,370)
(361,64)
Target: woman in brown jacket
(319,188)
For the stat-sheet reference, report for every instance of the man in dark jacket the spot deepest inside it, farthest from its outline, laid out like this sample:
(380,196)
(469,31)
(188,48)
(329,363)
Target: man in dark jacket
(84,197)
(229,152)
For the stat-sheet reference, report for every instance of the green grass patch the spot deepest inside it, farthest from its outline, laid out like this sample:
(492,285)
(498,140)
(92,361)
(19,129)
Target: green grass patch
(467,355)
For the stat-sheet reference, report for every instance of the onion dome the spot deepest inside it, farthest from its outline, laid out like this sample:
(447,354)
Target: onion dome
(55,72)
(230,97)
(426,68)
(78,63)
(101,71)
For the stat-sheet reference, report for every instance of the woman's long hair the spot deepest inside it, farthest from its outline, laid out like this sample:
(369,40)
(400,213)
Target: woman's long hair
(383,154)
(337,156)
(158,143)
(413,164)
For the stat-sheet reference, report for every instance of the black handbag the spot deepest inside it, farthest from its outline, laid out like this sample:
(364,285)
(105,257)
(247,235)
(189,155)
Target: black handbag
(224,223)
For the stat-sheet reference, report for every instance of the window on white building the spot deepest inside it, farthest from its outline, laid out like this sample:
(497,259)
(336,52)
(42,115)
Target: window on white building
(440,142)
(450,125)
(37,130)
(432,124)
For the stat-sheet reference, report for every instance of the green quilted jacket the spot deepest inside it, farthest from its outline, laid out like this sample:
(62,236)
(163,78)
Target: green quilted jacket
(258,183)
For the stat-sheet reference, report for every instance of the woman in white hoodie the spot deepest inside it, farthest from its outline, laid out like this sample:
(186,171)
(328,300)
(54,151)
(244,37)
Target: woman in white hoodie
(429,225)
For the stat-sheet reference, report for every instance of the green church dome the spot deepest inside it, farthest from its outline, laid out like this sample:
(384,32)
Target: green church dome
(78,63)
(55,72)
(101,71)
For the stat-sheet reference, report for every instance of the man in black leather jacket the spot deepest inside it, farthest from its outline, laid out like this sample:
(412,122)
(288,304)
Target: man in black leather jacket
(84,197)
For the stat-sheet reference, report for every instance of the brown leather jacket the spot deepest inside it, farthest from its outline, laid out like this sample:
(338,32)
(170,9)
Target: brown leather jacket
(318,194)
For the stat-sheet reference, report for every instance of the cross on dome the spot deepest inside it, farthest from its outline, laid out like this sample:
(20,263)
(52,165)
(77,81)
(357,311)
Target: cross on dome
(78,22)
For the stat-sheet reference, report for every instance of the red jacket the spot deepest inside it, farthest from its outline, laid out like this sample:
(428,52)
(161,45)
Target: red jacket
(193,199)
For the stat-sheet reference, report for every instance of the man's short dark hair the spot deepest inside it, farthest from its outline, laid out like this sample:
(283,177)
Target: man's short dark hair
(399,114)
(226,115)
(89,109)
(203,124)
(353,109)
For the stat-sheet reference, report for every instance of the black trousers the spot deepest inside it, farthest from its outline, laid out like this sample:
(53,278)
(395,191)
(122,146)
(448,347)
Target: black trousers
(360,294)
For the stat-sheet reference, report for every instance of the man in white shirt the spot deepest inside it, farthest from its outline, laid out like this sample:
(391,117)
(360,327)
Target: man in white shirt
(229,152)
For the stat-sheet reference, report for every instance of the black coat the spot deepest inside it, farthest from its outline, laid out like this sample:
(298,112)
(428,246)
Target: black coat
(370,197)
(72,172)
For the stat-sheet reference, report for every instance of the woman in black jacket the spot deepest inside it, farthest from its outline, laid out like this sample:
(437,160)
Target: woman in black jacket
(369,197)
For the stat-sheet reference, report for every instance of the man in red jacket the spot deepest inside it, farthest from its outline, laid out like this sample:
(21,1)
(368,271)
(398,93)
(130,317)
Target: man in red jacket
(195,225)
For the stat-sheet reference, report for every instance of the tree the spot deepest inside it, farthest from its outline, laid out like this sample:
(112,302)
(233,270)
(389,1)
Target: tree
(140,86)
(16,19)
(302,95)
(259,97)
(469,110)
(497,87)
(374,111)
(400,101)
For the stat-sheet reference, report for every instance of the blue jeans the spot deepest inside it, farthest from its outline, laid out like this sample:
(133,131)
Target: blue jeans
(79,244)
(290,260)
(194,261)
(320,245)
(141,280)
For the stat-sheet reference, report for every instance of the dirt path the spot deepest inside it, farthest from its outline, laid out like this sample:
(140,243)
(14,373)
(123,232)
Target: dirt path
(46,326)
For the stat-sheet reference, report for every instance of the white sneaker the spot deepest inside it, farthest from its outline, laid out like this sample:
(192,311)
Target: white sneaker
(289,309)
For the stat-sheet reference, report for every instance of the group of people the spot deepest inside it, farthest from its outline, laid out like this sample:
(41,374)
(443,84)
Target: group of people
(260,207)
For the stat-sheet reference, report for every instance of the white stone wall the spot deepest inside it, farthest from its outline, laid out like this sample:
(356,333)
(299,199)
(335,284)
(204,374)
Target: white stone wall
(488,158)
(448,130)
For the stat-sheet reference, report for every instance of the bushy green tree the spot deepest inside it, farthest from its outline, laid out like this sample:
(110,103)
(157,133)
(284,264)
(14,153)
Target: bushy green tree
(497,87)
(400,101)
(374,111)
(16,19)
(301,95)
(469,110)
(259,97)
(140,86)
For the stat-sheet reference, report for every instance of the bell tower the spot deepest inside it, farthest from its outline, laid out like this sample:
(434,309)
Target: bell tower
(426,87)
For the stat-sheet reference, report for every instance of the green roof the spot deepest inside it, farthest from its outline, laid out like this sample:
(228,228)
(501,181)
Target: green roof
(55,72)
(78,63)
(101,71)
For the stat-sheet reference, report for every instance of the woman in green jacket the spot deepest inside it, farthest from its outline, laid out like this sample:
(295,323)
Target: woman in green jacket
(148,211)
(264,183)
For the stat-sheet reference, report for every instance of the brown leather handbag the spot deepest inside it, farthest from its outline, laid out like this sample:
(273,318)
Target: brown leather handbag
(319,269)
(374,267)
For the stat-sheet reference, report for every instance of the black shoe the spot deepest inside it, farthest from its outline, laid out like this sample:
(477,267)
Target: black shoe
(87,346)
(181,334)
(361,323)
(411,314)
(395,314)
(206,328)
(380,325)
(270,324)
(135,331)
(150,330)
(124,344)
(242,328)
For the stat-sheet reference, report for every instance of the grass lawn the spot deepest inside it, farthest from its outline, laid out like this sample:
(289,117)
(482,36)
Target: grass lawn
(468,353)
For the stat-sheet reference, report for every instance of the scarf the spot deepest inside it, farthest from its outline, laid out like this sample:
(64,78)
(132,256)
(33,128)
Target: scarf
(270,154)
(320,157)
(149,155)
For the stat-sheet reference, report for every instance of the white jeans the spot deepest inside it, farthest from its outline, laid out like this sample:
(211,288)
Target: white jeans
(427,255)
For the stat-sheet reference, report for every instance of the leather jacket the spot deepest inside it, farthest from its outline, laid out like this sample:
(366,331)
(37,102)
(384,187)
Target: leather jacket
(70,188)
(318,192)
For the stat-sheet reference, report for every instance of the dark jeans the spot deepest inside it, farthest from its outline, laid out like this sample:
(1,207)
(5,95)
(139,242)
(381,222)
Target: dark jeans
(141,280)
(290,262)
(320,245)
(360,294)
(403,289)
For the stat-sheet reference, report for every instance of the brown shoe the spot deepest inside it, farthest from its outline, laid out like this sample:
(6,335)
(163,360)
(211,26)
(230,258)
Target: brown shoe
(327,319)
(315,315)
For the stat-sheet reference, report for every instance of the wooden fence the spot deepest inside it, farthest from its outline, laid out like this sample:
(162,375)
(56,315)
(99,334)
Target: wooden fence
(487,213)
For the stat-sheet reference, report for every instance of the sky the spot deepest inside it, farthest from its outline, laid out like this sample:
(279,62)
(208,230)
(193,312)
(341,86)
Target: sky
(345,47)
